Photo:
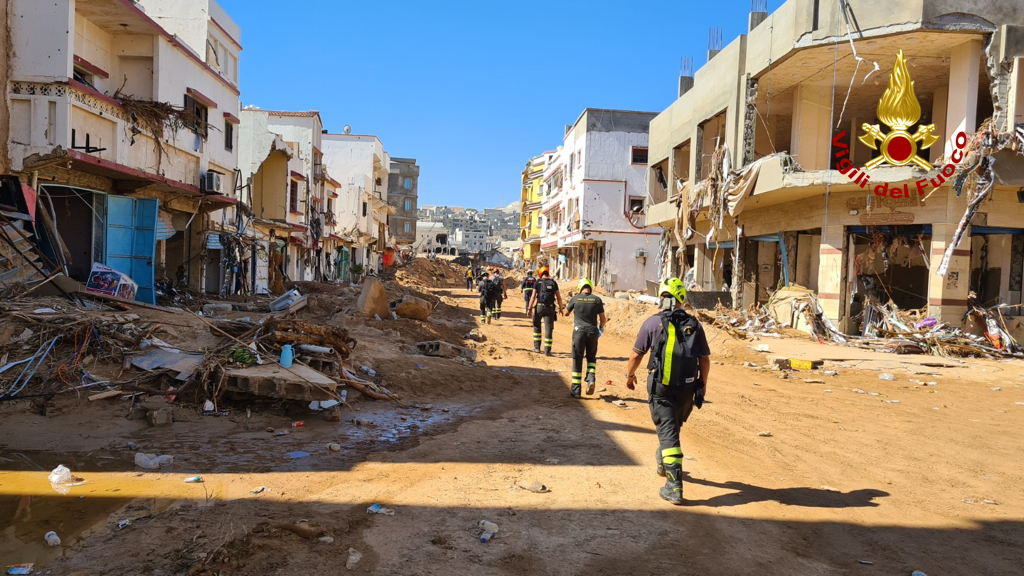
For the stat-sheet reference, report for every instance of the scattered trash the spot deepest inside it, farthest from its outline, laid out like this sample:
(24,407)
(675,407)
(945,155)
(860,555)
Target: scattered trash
(194,480)
(281,432)
(536,488)
(892,401)
(931,383)
(996,389)
(917,573)
(886,376)
(967,500)
(208,406)
(296,454)
(334,447)
(287,356)
(354,556)
(298,424)
(762,348)
(489,530)
(152,461)
(326,539)
(765,434)
(750,365)
(360,421)
(18,569)
(813,381)
(378,509)
(368,371)
(829,390)
(831,372)
(258,490)
(123,524)
(621,404)
(52,540)
(552,460)
(867,562)
(990,502)
(61,479)
(827,488)
(858,391)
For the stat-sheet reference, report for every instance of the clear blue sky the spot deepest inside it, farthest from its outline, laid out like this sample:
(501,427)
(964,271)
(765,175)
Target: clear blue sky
(472,90)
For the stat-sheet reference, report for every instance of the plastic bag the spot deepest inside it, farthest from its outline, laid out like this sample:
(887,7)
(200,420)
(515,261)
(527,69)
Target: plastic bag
(60,478)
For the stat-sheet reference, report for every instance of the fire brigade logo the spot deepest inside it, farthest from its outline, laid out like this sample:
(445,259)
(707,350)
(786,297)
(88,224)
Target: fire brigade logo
(899,110)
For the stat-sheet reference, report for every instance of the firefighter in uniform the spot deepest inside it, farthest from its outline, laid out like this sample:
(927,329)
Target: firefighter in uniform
(677,380)
(527,288)
(542,307)
(502,293)
(486,289)
(469,277)
(588,327)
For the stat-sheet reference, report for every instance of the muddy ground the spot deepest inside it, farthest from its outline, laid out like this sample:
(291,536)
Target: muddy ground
(846,482)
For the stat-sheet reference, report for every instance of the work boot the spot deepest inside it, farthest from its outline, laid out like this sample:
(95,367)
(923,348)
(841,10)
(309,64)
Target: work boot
(488,319)
(537,348)
(575,391)
(547,351)
(673,488)
(660,469)
(591,382)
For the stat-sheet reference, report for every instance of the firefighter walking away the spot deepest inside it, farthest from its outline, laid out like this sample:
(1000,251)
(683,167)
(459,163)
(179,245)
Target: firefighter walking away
(488,290)
(677,378)
(527,288)
(588,326)
(542,306)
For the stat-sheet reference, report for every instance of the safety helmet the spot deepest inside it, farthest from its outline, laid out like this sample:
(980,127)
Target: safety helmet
(585,283)
(673,287)
(542,271)
(529,272)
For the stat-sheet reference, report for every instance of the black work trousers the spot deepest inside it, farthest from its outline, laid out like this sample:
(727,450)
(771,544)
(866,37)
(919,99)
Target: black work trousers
(486,305)
(670,412)
(584,344)
(546,314)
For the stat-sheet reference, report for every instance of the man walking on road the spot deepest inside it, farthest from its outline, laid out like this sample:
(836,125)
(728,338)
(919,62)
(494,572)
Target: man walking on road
(588,327)
(542,306)
(677,379)
(527,288)
(501,294)
(486,290)
(469,277)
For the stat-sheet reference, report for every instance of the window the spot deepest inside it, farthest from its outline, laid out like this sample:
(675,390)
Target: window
(293,197)
(579,158)
(408,203)
(636,205)
(80,75)
(377,181)
(408,185)
(330,205)
(406,227)
(639,155)
(198,125)
(364,208)
(229,135)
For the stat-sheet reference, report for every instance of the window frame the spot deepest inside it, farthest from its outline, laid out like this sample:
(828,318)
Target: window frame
(293,196)
(632,155)
(229,136)
(407,184)
(202,111)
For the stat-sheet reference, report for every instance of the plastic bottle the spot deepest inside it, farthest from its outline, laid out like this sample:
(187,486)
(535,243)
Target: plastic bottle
(52,540)
(489,528)
(287,355)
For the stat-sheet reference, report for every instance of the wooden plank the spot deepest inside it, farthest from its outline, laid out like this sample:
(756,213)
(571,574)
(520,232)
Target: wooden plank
(128,302)
(105,395)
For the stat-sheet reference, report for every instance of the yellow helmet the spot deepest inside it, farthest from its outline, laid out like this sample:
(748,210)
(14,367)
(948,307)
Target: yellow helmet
(673,287)
(585,283)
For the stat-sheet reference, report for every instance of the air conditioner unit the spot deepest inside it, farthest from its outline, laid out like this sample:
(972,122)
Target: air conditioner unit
(641,253)
(212,182)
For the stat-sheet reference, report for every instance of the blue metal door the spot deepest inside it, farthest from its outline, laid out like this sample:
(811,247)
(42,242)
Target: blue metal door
(131,241)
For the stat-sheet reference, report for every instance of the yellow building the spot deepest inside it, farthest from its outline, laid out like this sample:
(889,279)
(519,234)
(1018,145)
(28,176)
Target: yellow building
(532,196)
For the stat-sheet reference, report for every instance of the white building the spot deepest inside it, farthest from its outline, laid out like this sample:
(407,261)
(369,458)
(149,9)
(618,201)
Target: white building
(360,164)
(81,83)
(594,191)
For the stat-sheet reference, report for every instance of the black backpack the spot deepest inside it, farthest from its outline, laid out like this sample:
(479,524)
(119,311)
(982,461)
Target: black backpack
(545,291)
(672,359)
(495,289)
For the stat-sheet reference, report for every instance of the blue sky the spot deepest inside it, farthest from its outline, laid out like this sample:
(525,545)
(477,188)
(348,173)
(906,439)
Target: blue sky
(472,90)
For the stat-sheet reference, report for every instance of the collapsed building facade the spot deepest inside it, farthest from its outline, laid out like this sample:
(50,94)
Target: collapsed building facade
(768,169)
(122,118)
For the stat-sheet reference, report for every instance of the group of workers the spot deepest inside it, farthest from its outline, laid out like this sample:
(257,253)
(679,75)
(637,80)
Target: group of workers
(678,367)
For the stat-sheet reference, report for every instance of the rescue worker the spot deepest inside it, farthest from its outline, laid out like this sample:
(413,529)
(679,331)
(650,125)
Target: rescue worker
(526,288)
(469,277)
(542,307)
(677,379)
(502,292)
(486,289)
(588,326)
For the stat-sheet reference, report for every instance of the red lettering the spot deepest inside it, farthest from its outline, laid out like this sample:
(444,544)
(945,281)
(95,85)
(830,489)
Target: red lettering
(950,169)
(882,189)
(842,153)
(845,165)
(853,175)
(836,142)
(920,189)
(940,182)
(864,182)
(955,157)
(958,137)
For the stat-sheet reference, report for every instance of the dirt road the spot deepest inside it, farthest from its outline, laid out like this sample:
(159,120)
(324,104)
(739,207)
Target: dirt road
(846,483)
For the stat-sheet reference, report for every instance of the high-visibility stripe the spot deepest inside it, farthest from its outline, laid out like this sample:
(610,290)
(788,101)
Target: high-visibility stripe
(670,346)
(671,460)
(547,340)
(673,451)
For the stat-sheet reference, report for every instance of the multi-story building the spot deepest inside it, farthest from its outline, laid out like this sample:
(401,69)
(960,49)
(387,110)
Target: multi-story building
(797,106)
(360,164)
(123,118)
(403,194)
(530,216)
(594,192)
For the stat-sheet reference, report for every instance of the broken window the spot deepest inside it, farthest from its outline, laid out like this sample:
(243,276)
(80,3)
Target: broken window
(293,197)
(639,155)
(364,209)
(81,75)
(198,124)
(636,205)
(229,135)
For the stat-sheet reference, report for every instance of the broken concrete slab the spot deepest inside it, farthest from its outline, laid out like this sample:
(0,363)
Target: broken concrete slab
(183,364)
(272,380)
(373,300)
(160,417)
(784,363)
(445,350)
(411,307)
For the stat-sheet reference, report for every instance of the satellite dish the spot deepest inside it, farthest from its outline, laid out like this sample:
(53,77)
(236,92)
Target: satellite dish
(347,129)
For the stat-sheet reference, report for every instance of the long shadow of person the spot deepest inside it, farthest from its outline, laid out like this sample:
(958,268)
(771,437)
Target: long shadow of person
(803,496)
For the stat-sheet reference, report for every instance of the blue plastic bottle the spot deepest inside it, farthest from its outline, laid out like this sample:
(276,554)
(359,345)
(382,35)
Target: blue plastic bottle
(287,355)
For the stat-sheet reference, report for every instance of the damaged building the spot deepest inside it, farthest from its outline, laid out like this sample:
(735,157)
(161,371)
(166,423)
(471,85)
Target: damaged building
(868,153)
(122,119)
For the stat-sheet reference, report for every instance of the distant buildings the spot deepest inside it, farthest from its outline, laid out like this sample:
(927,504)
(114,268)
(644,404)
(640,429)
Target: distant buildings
(403,183)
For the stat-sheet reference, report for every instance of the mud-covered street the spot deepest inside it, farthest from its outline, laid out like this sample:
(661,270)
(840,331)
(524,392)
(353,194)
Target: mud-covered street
(782,475)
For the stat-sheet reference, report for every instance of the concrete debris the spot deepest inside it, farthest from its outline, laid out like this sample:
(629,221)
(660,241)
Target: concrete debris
(446,350)
(373,300)
(475,335)
(411,307)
